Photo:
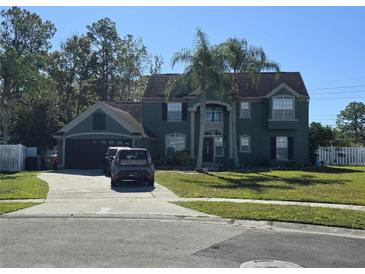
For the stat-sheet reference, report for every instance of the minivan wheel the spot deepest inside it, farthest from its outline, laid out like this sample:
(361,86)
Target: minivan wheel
(151,183)
(113,182)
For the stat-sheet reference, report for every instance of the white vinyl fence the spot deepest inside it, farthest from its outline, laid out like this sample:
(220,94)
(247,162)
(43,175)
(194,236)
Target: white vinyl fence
(12,157)
(342,155)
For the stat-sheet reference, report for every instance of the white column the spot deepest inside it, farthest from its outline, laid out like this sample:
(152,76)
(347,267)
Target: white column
(192,133)
(230,139)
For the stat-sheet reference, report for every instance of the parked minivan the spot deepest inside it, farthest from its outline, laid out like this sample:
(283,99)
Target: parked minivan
(132,164)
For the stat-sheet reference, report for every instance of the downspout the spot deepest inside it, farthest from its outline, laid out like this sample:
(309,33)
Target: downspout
(63,151)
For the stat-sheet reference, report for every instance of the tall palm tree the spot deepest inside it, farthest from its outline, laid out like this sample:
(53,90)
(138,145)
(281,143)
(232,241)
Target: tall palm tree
(201,72)
(239,58)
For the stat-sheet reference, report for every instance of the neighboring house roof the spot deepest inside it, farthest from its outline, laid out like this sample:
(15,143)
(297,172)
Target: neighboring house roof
(266,82)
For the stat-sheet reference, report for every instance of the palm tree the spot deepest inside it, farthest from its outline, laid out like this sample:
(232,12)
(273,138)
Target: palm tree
(201,72)
(239,58)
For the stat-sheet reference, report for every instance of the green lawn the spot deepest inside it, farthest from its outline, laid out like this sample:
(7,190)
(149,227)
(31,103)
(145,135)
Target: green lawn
(22,185)
(9,207)
(344,185)
(295,214)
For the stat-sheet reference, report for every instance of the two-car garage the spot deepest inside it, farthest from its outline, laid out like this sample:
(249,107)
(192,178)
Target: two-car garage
(89,154)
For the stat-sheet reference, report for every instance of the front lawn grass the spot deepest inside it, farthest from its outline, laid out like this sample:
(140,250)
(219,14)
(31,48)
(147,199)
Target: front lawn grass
(285,213)
(10,207)
(22,185)
(345,185)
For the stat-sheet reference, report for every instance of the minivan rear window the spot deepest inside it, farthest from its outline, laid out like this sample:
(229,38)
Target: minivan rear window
(133,157)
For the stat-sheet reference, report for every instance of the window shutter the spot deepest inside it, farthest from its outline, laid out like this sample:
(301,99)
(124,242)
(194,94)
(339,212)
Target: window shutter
(184,111)
(290,148)
(273,148)
(164,111)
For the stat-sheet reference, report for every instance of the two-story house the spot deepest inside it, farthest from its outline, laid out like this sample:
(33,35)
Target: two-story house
(272,124)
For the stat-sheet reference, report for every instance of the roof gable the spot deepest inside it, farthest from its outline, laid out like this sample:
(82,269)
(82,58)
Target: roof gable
(280,87)
(121,117)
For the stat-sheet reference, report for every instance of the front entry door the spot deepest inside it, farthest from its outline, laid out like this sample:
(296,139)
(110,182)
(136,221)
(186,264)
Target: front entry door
(208,149)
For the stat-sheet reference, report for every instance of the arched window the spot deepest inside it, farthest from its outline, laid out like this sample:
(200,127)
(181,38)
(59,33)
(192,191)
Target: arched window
(283,107)
(175,142)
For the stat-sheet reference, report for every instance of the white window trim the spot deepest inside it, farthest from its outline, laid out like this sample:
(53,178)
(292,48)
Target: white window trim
(175,133)
(249,110)
(215,145)
(281,97)
(167,112)
(249,144)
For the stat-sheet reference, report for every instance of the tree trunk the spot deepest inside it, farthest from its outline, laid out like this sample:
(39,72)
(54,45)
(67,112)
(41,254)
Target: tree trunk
(236,161)
(5,121)
(79,99)
(199,161)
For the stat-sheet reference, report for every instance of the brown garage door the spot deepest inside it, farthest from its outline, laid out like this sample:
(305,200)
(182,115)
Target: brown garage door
(89,154)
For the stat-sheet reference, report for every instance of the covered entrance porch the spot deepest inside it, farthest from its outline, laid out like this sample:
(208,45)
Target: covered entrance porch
(217,141)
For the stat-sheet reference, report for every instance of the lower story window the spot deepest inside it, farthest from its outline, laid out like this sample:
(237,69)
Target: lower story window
(218,146)
(175,142)
(245,143)
(282,148)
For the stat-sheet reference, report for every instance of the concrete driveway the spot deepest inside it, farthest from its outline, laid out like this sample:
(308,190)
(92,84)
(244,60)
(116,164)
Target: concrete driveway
(74,192)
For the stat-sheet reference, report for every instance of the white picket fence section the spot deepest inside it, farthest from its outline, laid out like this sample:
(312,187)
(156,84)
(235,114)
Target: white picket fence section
(346,156)
(12,157)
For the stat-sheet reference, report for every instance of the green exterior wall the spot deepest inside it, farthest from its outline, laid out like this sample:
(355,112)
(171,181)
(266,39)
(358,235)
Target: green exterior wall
(259,127)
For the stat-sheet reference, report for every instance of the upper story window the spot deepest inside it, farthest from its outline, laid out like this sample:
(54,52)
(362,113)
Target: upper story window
(174,112)
(213,116)
(98,121)
(175,142)
(245,110)
(283,107)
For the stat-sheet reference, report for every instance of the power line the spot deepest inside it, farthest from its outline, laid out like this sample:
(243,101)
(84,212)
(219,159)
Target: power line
(339,92)
(351,86)
(339,80)
(338,98)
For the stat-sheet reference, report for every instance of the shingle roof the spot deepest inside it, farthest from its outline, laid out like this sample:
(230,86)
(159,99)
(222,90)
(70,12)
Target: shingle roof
(267,81)
(125,116)
(133,108)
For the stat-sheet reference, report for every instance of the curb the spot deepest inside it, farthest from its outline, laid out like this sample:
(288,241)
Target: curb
(303,228)
(23,201)
(248,224)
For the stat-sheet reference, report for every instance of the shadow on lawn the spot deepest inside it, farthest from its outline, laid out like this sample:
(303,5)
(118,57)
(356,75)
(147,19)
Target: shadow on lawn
(9,176)
(327,169)
(257,183)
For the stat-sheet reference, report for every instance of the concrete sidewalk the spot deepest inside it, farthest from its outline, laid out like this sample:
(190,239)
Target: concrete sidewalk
(270,202)
(23,201)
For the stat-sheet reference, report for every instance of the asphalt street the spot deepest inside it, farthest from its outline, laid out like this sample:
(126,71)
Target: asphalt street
(120,242)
